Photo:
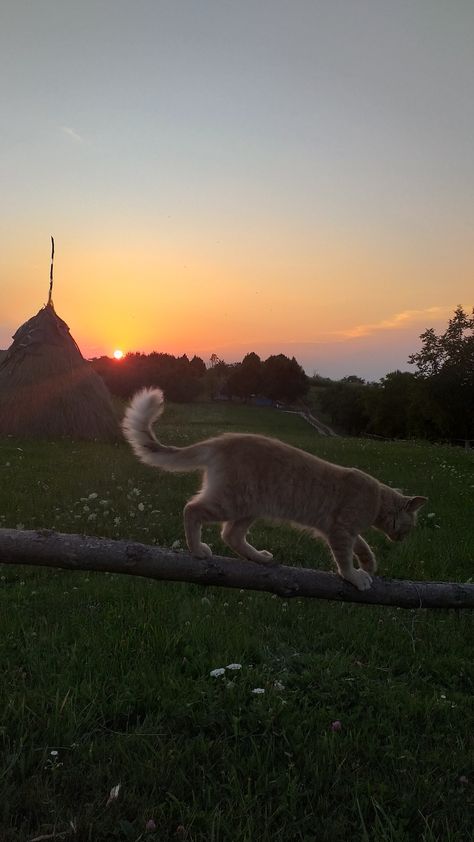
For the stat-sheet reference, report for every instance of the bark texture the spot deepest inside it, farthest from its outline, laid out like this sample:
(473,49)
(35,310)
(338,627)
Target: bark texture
(81,552)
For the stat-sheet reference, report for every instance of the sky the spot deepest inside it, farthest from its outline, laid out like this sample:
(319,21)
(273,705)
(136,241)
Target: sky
(226,176)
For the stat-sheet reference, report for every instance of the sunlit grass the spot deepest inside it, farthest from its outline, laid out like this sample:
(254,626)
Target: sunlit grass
(107,680)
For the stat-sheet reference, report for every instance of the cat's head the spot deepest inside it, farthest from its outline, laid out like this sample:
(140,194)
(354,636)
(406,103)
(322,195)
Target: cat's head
(397,517)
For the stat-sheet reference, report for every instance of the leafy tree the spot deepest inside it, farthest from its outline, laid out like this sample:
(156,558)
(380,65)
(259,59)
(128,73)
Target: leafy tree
(446,364)
(392,405)
(197,367)
(245,379)
(283,379)
(353,378)
(454,347)
(347,406)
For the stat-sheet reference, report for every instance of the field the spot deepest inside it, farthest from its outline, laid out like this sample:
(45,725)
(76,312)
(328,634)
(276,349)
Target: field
(363,726)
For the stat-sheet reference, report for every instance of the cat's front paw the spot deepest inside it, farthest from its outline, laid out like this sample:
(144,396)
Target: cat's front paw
(360,579)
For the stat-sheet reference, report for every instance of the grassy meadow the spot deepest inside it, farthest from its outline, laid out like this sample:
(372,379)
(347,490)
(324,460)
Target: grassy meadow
(112,725)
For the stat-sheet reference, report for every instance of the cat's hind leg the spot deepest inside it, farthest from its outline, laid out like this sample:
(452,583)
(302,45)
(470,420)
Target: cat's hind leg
(342,548)
(365,555)
(195,513)
(234,535)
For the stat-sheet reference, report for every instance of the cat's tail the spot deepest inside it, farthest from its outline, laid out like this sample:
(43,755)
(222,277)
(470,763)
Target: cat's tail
(145,408)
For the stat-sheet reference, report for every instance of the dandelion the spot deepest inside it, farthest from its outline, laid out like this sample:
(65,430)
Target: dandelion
(150,826)
(116,521)
(336,725)
(217,672)
(54,753)
(141,507)
(234,667)
(431,515)
(93,496)
(176,545)
(258,691)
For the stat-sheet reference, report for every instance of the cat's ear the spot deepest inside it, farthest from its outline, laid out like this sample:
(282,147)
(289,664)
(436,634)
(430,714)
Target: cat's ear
(415,503)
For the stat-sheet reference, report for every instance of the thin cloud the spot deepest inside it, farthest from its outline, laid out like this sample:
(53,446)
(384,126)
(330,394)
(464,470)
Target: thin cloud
(398,320)
(71,133)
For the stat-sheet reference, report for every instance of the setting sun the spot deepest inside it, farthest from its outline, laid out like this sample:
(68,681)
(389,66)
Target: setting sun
(118,354)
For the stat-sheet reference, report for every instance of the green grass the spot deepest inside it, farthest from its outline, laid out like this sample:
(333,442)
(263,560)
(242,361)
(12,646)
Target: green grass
(113,673)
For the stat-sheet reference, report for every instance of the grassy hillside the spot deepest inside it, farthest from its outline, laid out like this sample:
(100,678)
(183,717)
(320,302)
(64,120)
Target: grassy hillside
(363,731)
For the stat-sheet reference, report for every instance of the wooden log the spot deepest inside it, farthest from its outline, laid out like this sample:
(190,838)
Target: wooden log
(82,552)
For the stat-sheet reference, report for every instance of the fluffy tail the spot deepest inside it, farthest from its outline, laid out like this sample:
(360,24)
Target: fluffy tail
(144,409)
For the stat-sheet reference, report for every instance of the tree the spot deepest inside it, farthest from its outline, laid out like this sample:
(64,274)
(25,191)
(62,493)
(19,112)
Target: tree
(347,406)
(454,347)
(446,364)
(283,379)
(245,379)
(197,367)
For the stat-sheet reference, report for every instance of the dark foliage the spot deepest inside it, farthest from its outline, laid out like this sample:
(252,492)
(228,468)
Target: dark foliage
(180,379)
(436,402)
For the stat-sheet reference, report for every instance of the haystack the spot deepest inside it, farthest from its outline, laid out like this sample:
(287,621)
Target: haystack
(47,388)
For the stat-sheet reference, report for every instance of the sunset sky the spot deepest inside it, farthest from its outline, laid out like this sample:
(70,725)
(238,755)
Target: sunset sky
(225,176)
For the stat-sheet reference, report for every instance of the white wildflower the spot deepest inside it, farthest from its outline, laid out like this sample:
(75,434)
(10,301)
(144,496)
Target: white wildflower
(258,691)
(234,667)
(93,496)
(114,793)
(141,507)
(217,672)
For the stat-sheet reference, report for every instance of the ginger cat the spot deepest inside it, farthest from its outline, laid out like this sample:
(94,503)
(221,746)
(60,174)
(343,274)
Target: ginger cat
(249,476)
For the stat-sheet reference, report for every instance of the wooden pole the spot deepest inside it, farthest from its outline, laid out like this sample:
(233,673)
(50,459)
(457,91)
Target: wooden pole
(82,552)
(50,296)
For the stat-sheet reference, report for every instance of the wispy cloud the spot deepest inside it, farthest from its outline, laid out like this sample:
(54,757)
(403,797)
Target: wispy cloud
(398,320)
(72,133)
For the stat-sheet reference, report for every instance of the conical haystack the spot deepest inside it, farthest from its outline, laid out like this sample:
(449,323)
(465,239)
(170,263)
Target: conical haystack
(48,389)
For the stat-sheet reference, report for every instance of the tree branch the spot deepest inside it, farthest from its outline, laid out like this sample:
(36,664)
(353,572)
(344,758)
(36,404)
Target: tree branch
(81,552)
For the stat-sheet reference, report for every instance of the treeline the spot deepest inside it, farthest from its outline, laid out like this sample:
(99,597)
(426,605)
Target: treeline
(436,402)
(277,378)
